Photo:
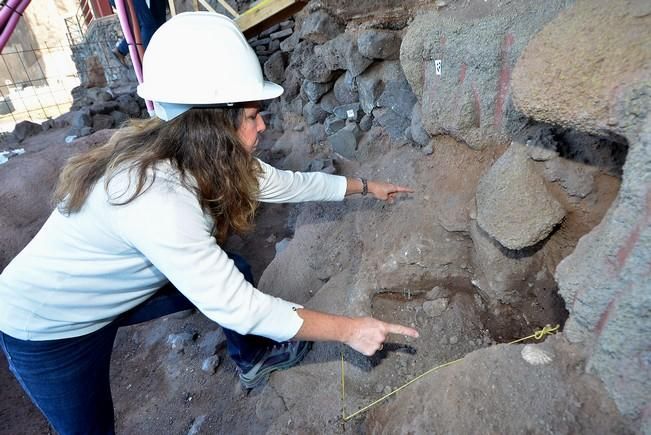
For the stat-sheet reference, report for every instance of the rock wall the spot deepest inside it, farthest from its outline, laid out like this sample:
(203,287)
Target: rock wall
(459,64)
(597,78)
(502,197)
(95,63)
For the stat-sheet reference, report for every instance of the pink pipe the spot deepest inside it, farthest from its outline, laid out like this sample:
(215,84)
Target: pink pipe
(133,51)
(7,10)
(9,27)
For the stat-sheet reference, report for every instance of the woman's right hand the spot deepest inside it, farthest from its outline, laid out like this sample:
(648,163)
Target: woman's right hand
(367,335)
(364,334)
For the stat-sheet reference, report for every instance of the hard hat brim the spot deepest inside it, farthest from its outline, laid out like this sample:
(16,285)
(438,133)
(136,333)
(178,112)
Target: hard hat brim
(269,90)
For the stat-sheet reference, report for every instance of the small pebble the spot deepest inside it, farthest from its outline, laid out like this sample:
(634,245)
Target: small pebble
(386,390)
(210,364)
(454,339)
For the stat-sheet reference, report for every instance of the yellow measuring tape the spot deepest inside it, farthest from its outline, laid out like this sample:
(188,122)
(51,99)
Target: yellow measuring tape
(538,335)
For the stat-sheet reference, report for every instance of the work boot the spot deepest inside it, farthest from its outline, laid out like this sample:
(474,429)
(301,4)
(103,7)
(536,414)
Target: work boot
(278,357)
(122,58)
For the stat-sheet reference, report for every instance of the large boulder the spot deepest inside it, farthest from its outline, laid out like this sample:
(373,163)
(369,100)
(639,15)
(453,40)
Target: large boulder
(314,91)
(343,53)
(313,113)
(502,274)
(345,140)
(459,63)
(372,82)
(25,129)
(345,89)
(394,107)
(513,204)
(274,67)
(379,44)
(418,133)
(590,69)
(319,27)
(575,71)
(605,284)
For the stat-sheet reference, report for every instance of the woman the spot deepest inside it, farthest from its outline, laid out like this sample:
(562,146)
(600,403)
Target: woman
(152,205)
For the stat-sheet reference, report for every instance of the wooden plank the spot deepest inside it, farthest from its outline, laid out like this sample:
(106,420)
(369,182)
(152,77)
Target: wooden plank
(266,13)
(206,5)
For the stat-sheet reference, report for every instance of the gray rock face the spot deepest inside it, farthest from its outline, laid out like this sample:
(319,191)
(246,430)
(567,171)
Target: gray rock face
(577,179)
(501,274)
(128,105)
(436,307)
(290,43)
(103,107)
(101,122)
(393,123)
(320,27)
(345,140)
(513,204)
(342,53)
(345,89)
(379,44)
(591,85)
(313,113)
(371,83)
(418,133)
(317,133)
(352,112)
(606,287)
(366,122)
(119,118)
(292,83)
(274,68)
(81,119)
(317,71)
(329,102)
(395,105)
(333,124)
(314,91)
(25,129)
(468,94)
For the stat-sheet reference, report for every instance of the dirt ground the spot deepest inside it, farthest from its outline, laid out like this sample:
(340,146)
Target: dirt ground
(159,385)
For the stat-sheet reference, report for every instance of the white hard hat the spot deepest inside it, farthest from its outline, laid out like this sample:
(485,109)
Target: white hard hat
(201,59)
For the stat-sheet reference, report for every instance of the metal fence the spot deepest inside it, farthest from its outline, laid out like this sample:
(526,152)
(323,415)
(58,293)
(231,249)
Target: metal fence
(37,84)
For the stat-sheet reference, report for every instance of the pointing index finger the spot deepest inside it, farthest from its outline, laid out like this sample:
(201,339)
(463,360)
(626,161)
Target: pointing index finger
(402,330)
(403,189)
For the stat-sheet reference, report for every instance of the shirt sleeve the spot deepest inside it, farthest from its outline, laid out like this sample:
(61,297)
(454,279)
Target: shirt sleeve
(167,225)
(288,186)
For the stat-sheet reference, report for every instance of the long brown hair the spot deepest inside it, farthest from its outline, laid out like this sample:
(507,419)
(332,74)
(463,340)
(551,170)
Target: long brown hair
(200,143)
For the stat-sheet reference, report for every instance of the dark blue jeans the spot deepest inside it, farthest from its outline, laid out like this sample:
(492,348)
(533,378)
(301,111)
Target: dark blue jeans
(68,379)
(149,20)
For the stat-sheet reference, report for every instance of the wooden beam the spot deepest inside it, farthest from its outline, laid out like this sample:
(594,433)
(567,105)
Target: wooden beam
(206,5)
(266,13)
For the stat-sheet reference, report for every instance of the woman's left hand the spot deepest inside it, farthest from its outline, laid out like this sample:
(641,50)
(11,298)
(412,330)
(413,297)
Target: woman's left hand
(386,191)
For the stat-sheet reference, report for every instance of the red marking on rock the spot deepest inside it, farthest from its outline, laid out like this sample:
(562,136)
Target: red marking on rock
(462,73)
(476,104)
(625,250)
(505,79)
(606,314)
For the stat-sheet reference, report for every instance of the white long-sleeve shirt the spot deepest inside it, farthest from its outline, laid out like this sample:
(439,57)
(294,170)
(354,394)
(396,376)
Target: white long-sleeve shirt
(83,270)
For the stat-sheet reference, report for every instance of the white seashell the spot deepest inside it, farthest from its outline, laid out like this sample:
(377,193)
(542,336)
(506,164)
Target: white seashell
(535,356)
